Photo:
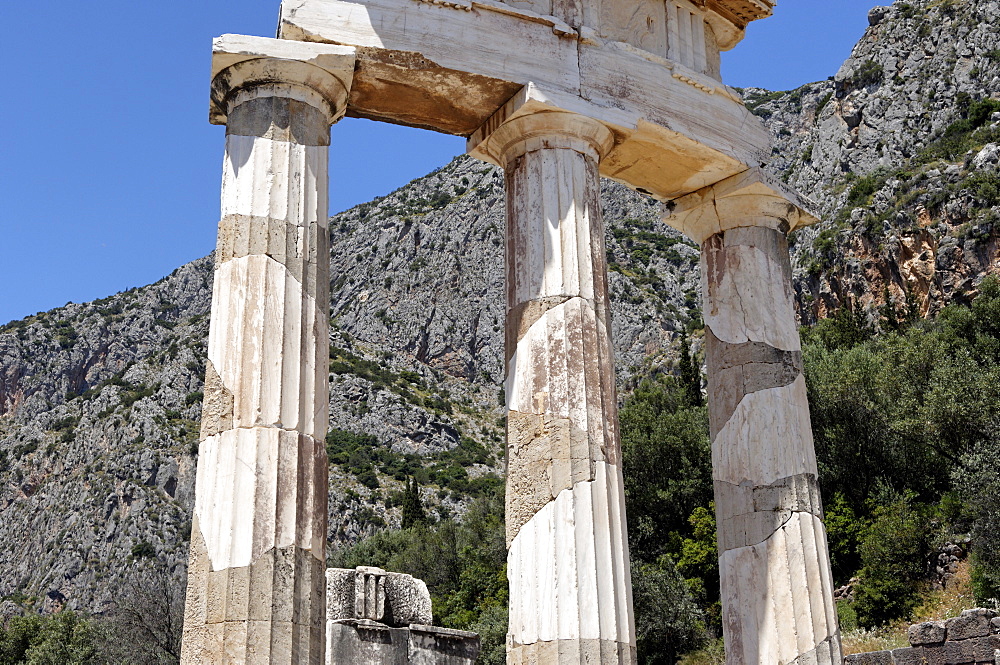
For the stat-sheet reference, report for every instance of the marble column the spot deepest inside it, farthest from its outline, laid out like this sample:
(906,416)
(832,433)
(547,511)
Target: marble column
(777,588)
(256,577)
(568,561)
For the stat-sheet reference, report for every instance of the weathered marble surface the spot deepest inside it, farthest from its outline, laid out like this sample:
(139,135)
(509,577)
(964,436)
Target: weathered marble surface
(256,582)
(376,617)
(650,76)
(395,599)
(777,587)
(568,562)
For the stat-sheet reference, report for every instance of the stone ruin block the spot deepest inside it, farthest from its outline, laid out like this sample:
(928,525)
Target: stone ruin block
(970,639)
(393,599)
(870,658)
(972,623)
(928,632)
(376,617)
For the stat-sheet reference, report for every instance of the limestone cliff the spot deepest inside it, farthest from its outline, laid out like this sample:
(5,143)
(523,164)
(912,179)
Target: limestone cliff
(100,402)
(900,149)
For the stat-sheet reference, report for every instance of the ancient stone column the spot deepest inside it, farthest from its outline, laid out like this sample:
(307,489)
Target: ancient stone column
(777,588)
(256,578)
(568,561)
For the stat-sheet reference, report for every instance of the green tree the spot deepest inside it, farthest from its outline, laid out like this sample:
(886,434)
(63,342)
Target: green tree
(65,638)
(668,622)
(690,374)
(977,481)
(413,508)
(894,551)
(667,459)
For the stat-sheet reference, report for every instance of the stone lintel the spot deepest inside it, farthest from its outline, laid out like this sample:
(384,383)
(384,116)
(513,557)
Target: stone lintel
(451,68)
(241,61)
(750,198)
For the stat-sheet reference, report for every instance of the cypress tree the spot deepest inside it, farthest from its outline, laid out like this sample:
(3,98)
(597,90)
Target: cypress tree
(413,509)
(690,374)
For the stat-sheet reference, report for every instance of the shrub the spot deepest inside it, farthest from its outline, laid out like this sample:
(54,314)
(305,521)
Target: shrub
(869,73)
(893,556)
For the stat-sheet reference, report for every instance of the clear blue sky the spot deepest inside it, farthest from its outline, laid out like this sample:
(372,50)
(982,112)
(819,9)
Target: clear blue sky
(109,170)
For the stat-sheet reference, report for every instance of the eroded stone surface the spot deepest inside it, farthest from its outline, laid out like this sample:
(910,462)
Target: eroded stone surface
(217,407)
(928,632)
(568,563)
(394,599)
(269,611)
(972,623)
(256,585)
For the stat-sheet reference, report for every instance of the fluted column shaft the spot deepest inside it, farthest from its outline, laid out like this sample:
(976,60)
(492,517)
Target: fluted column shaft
(256,579)
(568,562)
(777,588)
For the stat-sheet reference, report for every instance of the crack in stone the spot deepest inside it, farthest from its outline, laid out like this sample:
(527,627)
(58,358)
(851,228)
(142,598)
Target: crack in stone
(749,515)
(737,370)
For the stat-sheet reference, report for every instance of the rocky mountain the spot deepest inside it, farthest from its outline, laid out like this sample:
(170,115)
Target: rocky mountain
(900,150)
(100,402)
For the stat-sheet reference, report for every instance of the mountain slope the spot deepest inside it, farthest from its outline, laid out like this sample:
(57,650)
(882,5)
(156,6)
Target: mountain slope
(100,402)
(899,148)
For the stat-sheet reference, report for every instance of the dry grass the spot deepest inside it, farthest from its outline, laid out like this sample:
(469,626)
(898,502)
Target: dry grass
(935,605)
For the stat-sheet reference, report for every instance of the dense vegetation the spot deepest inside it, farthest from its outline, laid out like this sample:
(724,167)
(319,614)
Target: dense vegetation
(143,628)
(905,419)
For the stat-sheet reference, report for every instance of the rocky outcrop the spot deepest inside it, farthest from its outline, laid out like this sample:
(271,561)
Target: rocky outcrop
(909,197)
(100,403)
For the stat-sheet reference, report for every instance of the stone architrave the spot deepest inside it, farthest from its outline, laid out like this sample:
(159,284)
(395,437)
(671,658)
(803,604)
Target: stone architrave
(777,588)
(568,561)
(256,579)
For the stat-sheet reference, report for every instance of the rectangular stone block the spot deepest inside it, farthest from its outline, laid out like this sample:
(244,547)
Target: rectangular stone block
(959,653)
(972,623)
(366,643)
(870,658)
(442,646)
(928,632)
(983,648)
(934,654)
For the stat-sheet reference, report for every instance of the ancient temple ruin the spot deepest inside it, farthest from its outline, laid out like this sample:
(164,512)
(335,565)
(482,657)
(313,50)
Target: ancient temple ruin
(559,93)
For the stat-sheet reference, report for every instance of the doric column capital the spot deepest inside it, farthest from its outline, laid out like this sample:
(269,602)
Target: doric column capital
(245,68)
(548,129)
(751,198)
